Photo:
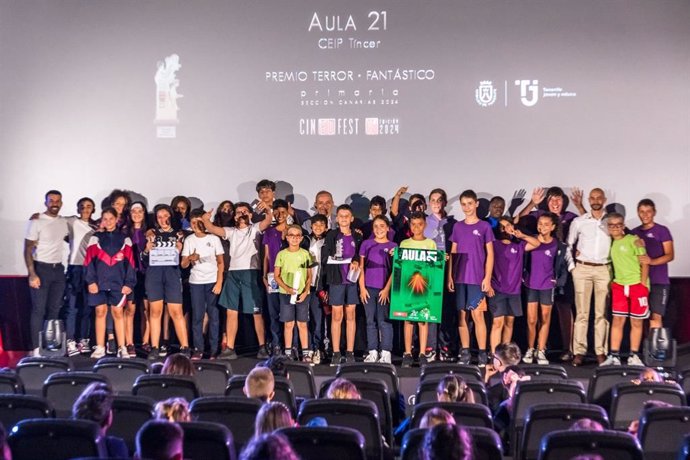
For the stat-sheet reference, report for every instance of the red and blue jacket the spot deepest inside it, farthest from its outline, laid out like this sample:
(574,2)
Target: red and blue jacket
(110,261)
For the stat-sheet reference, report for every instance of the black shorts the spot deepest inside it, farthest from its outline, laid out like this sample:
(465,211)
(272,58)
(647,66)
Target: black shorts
(164,283)
(658,298)
(112,298)
(542,296)
(505,305)
(290,312)
(343,294)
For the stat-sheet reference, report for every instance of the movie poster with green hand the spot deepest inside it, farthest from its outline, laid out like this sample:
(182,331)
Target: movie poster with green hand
(418,284)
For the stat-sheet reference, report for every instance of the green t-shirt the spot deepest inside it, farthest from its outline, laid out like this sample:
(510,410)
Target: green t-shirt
(626,267)
(290,263)
(418,244)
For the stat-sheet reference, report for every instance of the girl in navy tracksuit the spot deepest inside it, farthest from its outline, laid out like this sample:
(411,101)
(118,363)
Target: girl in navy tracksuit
(110,278)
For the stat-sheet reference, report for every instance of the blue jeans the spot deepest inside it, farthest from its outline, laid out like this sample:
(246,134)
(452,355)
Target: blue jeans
(204,301)
(46,300)
(316,325)
(378,322)
(77,312)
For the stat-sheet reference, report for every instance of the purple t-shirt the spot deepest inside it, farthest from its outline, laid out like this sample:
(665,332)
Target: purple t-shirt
(564,219)
(273,238)
(471,240)
(507,275)
(654,239)
(541,274)
(377,262)
(345,249)
(434,231)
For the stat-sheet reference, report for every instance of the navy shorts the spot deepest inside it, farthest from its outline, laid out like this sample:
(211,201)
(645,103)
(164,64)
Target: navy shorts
(505,305)
(245,286)
(290,312)
(658,298)
(343,294)
(164,283)
(107,298)
(542,296)
(468,296)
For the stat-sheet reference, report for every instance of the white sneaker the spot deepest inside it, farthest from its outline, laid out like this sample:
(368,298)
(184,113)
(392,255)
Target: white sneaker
(122,353)
(385,357)
(72,349)
(634,360)
(611,361)
(541,358)
(529,356)
(316,357)
(98,352)
(36,353)
(372,357)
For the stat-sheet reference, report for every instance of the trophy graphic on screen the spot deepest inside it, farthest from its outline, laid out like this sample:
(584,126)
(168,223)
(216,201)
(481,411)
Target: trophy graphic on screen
(166,89)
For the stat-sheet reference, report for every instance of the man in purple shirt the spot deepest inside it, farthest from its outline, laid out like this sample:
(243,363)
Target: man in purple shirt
(470,276)
(659,245)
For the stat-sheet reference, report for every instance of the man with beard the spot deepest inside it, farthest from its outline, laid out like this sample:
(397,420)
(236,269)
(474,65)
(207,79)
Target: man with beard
(243,282)
(591,272)
(323,204)
(43,255)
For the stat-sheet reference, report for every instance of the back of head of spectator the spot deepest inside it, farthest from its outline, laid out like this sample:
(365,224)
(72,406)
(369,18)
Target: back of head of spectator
(453,388)
(446,442)
(506,354)
(272,416)
(159,440)
(260,384)
(95,403)
(650,404)
(586,424)
(178,364)
(650,375)
(436,416)
(271,446)
(342,388)
(173,410)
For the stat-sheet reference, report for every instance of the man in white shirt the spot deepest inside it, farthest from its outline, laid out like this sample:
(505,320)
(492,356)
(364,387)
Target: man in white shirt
(43,255)
(590,267)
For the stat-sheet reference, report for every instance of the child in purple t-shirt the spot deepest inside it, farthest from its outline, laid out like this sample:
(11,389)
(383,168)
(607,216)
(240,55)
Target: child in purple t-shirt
(505,302)
(470,277)
(659,245)
(273,241)
(374,290)
(540,284)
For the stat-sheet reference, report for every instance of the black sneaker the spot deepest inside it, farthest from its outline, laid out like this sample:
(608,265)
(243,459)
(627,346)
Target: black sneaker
(197,355)
(263,352)
(423,361)
(164,350)
(154,354)
(110,347)
(186,351)
(465,357)
(349,357)
(336,358)
(407,360)
(228,353)
(482,358)
(277,351)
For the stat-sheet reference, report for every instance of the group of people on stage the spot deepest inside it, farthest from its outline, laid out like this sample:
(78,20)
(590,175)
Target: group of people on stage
(291,271)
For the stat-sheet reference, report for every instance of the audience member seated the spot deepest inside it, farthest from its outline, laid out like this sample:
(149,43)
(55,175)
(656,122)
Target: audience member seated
(260,384)
(173,410)
(586,424)
(446,442)
(159,440)
(95,404)
(272,416)
(178,364)
(342,389)
(271,446)
(436,416)
(453,388)
(652,403)
(504,414)
(506,354)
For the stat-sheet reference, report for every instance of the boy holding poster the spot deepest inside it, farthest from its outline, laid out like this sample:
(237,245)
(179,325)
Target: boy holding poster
(470,276)
(417,241)
(374,290)
(293,273)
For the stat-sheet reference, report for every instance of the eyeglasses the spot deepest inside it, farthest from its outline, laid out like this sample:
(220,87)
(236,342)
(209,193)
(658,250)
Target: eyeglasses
(294,235)
(615,225)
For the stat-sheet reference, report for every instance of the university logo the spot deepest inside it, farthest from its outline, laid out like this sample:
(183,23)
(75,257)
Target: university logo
(529,92)
(485,94)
